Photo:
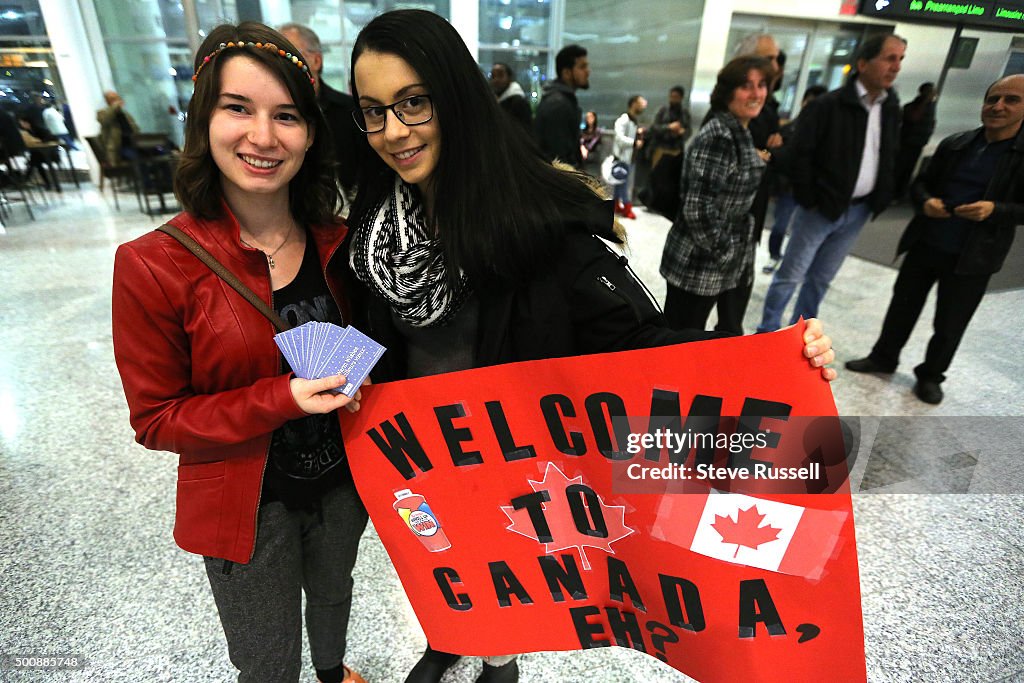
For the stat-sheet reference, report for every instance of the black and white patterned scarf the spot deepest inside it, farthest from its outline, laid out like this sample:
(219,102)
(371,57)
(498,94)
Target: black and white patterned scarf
(395,254)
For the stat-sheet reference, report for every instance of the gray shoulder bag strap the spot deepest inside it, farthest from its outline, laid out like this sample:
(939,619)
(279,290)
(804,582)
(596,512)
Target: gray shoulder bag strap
(226,275)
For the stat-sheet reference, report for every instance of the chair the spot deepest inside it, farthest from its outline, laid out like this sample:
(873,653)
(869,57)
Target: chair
(65,148)
(121,171)
(12,178)
(154,164)
(153,144)
(44,159)
(154,179)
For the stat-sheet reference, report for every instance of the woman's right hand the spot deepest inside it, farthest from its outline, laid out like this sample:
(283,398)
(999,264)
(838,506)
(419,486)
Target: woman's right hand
(314,395)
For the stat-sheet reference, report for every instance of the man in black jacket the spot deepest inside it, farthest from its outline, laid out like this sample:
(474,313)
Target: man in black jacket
(557,123)
(511,95)
(336,106)
(969,202)
(918,126)
(843,163)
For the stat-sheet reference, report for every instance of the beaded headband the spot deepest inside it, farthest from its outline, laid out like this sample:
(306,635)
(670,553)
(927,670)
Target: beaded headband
(294,59)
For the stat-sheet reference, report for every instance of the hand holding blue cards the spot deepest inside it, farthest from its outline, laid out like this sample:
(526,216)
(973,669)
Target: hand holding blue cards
(315,350)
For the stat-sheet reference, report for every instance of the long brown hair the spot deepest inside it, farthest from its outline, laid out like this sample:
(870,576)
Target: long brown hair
(313,195)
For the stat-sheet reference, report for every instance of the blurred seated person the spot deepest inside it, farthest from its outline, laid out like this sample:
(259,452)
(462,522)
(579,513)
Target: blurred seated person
(116,129)
(33,114)
(41,153)
(55,125)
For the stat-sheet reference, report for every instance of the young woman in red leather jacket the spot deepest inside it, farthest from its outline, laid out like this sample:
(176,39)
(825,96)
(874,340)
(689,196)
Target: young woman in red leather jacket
(264,491)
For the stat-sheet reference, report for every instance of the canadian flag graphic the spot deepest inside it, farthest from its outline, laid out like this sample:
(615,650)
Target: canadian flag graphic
(754,532)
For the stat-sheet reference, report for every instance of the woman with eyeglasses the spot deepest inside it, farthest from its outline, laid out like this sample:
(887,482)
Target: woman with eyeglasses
(472,250)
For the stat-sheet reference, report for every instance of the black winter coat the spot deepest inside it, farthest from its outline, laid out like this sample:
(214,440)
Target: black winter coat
(989,241)
(337,108)
(589,301)
(557,124)
(828,148)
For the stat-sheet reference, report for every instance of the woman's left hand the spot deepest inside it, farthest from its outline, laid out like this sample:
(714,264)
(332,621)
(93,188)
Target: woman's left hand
(314,396)
(818,348)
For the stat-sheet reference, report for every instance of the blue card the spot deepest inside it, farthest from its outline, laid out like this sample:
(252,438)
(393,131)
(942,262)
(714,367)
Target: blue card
(354,357)
(314,350)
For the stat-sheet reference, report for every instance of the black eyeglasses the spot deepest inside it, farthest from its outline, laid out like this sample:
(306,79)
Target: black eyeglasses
(412,111)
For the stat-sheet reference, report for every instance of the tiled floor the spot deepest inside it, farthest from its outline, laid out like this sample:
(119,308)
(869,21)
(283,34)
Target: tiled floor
(89,567)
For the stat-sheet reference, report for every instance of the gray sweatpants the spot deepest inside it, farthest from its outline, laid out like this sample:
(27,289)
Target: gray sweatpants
(260,603)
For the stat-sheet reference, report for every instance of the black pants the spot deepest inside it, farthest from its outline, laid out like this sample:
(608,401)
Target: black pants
(958,298)
(260,603)
(905,164)
(686,311)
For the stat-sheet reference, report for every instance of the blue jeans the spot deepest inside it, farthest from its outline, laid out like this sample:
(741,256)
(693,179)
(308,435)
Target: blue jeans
(621,191)
(785,205)
(817,248)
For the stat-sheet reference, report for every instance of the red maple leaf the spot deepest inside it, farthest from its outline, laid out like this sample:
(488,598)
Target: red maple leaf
(558,515)
(746,529)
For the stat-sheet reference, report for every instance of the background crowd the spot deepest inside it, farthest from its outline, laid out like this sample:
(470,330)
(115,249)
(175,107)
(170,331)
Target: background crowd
(845,159)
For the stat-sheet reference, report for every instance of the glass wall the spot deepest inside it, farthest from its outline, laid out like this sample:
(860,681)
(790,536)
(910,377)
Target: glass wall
(331,21)
(151,52)
(21,18)
(517,33)
(214,12)
(338,22)
(27,66)
(636,47)
(150,60)
(817,53)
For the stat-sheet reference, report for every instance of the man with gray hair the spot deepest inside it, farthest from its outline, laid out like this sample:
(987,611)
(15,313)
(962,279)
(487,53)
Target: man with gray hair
(843,167)
(336,106)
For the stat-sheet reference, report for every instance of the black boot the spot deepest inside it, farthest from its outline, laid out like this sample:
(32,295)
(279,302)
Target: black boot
(506,673)
(431,666)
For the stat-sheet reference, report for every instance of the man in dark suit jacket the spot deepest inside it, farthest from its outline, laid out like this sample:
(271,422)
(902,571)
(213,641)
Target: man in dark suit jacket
(969,202)
(336,106)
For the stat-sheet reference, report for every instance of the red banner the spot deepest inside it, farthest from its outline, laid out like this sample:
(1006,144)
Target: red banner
(689,502)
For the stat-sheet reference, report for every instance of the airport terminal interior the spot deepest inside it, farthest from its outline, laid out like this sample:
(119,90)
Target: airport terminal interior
(89,565)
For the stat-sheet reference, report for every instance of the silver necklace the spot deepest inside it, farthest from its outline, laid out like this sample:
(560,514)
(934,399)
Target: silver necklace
(270,256)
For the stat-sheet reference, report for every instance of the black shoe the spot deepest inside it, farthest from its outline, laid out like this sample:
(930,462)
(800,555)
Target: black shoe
(927,391)
(506,673)
(868,364)
(431,666)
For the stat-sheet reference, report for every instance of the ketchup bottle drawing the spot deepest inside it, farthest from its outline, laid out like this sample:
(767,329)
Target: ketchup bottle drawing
(421,520)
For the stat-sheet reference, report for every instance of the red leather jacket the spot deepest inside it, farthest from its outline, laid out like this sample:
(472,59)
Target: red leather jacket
(201,372)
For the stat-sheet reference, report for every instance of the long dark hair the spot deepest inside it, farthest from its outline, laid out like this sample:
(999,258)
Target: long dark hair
(732,76)
(500,209)
(313,194)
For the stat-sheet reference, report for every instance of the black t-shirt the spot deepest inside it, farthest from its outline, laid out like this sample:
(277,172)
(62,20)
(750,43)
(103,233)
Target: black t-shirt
(307,456)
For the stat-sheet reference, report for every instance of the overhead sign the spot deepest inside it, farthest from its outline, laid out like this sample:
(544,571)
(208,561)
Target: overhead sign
(1003,14)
